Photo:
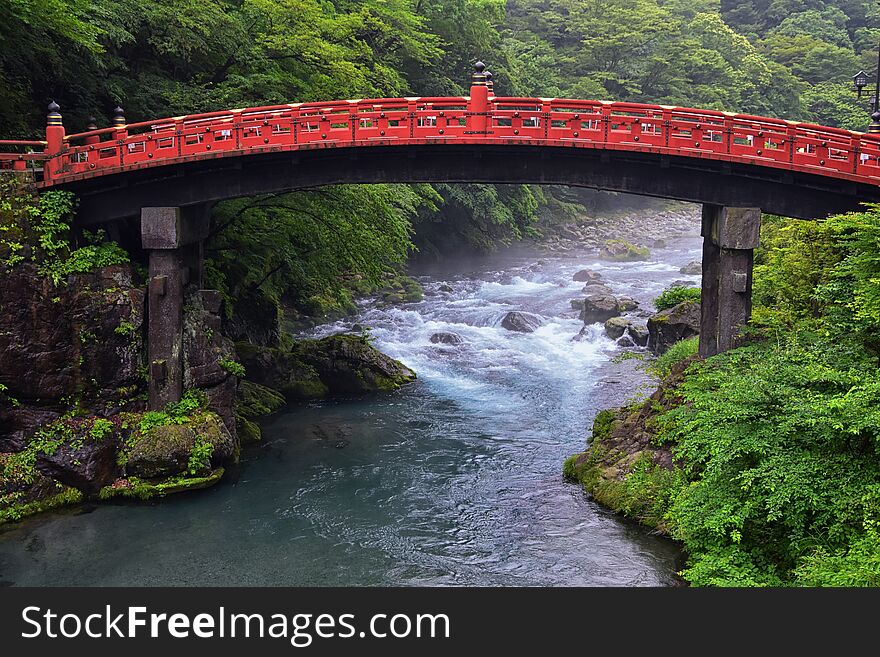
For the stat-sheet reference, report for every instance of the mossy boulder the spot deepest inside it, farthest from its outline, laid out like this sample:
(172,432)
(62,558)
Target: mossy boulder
(599,308)
(349,364)
(253,401)
(192,446)
(669,326)
(400,288)
(616,327)
(621,250)
(339,364)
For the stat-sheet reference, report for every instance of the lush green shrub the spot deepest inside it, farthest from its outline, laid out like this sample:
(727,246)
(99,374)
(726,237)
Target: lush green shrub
(676,294)
(780,442)
(662,366)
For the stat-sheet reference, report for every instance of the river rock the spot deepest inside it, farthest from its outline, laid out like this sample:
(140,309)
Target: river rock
(446,288)
(624,251)
(625,341)
(521,322)
(338,364)
(599,308)
(586,275)
(669,326)
(596,288)
(165,450)
(577,304)
(693,268)
(682,283)
(627,304)
(446,337)
(616,327)
(639,334)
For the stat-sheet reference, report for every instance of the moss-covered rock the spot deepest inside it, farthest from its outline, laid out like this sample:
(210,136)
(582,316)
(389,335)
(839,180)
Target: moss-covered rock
(15,508)
(622,250)
(191,447)
(678,323)
(254,401)
(145,489)
(338,364)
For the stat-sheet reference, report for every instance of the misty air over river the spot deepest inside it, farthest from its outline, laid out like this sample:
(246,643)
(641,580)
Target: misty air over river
(453,480)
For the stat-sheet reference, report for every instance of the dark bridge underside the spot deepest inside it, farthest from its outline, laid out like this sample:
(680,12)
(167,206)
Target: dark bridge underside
(698,180)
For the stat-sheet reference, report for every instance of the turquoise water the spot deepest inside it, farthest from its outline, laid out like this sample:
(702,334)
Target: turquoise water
(455,480)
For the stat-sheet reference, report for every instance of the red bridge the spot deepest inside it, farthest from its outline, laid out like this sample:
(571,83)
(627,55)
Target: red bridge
(167,172)
(785,167)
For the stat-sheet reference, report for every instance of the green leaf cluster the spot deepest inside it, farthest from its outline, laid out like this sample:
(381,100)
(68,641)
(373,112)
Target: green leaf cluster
(676,294)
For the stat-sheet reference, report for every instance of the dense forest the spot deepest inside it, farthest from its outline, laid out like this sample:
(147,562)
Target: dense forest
(777,442)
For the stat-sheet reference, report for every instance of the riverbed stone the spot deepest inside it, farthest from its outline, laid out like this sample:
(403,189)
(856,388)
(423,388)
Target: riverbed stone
(626,304)
(586,275)
(521,322)
(669,326)
(693,268)
(639,334)
(616,327)
(622,250)
(599,308)
(596,288)
(446,337)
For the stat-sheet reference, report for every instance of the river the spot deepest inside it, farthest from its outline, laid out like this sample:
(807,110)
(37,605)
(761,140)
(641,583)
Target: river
(454,480)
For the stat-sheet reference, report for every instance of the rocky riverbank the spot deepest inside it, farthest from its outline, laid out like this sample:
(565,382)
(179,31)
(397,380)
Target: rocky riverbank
(73,387)
(643,228)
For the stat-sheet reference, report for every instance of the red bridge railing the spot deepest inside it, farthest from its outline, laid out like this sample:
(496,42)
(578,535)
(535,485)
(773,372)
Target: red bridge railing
(477,119)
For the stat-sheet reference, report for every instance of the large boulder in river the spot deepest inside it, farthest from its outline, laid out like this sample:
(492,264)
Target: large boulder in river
(193,447)
(623,251)
(587,276)
(616,327)
(669,326)
(446,337)
(639,334)
(599,308)
(596,288)
(521,322)
(339,364)
(693,268)
(626,304)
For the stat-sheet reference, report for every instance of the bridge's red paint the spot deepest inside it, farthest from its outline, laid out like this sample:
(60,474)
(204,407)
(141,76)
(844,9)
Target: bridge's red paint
(677,131)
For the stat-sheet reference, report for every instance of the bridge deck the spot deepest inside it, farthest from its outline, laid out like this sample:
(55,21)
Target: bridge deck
(611,126)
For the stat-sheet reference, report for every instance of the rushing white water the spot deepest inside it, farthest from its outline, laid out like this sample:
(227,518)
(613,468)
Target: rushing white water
(455,479)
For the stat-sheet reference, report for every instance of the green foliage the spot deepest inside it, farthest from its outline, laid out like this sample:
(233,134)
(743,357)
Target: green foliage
(200,457)
(87,259)
(125,328)
(101,428)
(662,366)
(233,367)
(192,402)
(676,294)
(602,423)
(51,223)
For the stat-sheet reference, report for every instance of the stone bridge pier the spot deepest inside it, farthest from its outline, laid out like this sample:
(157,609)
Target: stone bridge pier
(174,239)
(730,236)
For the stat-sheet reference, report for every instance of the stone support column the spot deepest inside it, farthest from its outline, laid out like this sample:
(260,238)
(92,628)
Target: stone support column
(730,236)
(173,238)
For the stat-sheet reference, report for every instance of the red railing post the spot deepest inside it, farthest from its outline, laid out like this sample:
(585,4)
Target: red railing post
(54,141)
(478,105)
(91,127)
